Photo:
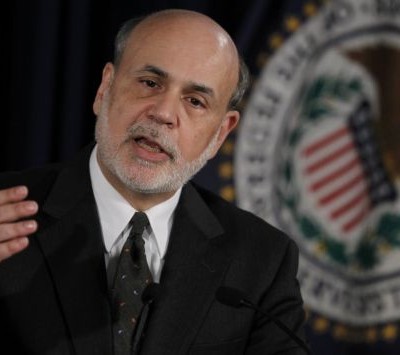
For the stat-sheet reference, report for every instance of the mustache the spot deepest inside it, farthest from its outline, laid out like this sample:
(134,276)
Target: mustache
(155,135)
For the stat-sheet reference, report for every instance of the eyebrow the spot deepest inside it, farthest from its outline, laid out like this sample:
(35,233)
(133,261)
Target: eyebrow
(202,88)
(155,70)
(192,85)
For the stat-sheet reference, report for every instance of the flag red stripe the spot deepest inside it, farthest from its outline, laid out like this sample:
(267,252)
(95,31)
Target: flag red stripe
(344,188)
(349,205)
(324,141)
(356,220)
(328,159)
(333,176)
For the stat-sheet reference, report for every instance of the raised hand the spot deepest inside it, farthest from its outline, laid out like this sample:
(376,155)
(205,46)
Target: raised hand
(15,221)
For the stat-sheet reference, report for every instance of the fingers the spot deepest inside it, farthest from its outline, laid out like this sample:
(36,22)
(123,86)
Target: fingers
(12,247)
(11,212)
(13,207)
(9,231)
(13,194)
(15,224)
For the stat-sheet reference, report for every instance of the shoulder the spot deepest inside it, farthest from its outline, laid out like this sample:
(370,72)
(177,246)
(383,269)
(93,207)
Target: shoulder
(244,227)
(38,180)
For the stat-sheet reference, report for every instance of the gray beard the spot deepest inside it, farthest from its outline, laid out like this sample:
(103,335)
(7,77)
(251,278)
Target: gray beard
(169,178)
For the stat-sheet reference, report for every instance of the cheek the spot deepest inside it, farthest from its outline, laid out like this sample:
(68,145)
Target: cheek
(194,141)
(120,118)
(126,110)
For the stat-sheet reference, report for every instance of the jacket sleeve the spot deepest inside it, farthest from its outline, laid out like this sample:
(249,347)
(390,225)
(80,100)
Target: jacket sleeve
(284,302)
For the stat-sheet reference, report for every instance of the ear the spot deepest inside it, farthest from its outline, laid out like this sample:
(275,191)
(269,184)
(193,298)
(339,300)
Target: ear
(229,122)
(106,81)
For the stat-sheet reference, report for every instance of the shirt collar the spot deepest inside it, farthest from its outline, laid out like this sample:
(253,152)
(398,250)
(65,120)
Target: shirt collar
(115,211)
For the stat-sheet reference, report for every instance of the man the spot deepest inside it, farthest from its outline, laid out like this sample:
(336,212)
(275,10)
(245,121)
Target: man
(164,107)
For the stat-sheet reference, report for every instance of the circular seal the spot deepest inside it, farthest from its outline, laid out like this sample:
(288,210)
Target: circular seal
(318,155)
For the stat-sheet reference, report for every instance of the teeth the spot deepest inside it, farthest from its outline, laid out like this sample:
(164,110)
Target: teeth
(152,147)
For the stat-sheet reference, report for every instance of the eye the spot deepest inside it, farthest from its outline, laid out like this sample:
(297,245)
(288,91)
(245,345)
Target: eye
(149,83)
(195,102)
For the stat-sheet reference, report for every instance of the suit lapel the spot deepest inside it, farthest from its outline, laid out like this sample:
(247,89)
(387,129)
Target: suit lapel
(194,269)
(70,238)
(74,250)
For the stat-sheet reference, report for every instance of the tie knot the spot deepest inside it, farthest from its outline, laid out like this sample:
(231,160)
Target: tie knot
(139,222)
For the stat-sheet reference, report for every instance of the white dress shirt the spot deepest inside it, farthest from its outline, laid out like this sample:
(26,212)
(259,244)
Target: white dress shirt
(115,213)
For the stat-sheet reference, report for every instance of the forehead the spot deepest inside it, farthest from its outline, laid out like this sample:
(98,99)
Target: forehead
(189,50)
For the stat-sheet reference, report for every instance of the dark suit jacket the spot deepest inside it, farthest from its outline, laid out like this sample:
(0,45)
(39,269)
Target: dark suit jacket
(54,297)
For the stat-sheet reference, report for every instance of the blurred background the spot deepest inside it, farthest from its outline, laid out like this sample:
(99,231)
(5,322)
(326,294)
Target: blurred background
(317,152)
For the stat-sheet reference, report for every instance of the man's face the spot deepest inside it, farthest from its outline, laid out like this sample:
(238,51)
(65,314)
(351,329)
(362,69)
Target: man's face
(163,112)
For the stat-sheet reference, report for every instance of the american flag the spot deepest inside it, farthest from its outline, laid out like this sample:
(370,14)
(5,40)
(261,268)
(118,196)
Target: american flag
(344,171)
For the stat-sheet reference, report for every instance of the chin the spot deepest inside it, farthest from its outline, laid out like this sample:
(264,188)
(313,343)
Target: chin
(149,187)
(147,181)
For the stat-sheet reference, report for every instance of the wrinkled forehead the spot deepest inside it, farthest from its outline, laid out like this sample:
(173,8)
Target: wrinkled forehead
(192,43)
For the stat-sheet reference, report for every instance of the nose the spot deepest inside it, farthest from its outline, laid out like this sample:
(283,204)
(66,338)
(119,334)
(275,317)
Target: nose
(164,109)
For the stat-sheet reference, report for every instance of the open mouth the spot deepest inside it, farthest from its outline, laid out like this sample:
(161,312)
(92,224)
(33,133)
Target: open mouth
(149,145)
(156,150)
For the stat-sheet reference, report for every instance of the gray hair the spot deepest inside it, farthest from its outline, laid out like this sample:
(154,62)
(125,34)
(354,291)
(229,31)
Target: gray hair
(127,28)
